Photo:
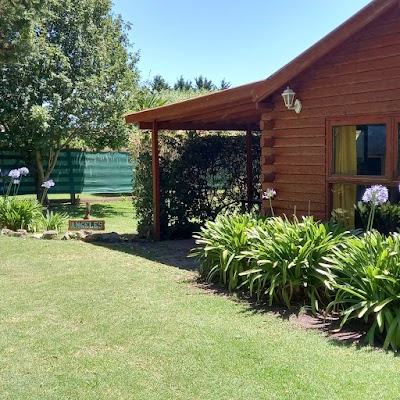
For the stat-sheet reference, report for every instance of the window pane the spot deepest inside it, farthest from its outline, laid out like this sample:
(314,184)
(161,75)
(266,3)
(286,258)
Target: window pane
(345,198)
(359,149)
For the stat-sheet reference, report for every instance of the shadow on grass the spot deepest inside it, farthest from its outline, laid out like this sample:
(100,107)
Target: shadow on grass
(97,210)
(352,335)
(173,253)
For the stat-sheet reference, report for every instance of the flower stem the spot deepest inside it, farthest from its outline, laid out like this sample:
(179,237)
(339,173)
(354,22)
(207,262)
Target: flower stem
(371,217)
(270,205)
(8,189)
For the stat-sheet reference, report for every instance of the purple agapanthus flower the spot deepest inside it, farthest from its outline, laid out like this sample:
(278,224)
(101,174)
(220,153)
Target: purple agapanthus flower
(16,181)
(269,194)
(23,171)
(376,194)
(48,184)
(14,174)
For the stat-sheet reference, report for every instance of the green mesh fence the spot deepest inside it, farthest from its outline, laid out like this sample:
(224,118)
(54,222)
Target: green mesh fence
(77,172)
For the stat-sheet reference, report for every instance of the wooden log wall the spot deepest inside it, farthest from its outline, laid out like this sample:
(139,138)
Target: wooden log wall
(361,77)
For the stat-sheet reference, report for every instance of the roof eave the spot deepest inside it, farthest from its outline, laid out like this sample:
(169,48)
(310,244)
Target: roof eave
(242,93)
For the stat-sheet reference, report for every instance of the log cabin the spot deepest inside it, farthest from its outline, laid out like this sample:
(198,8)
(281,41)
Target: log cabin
(330,119)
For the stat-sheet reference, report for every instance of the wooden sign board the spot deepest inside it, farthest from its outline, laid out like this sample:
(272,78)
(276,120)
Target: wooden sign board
(86,224)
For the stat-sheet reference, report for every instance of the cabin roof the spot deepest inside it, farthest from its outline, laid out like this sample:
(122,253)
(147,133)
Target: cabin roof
(240,108)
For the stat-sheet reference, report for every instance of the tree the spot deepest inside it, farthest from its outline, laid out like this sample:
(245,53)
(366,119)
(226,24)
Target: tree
(74,84)
(159,84)
(224,85)
(181,84)
(17,18)
(203,83)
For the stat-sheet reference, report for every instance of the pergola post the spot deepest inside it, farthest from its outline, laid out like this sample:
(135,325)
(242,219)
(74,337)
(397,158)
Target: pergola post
(156,182)
(249,164)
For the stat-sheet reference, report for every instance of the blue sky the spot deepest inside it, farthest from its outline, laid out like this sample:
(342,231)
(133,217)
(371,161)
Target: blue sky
(241,41)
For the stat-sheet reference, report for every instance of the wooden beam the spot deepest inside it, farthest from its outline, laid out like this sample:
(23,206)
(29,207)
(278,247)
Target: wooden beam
(249,164)
(268,142)
(156,182)
(269,160)
(269,177)
(241,94)
(267,125)
(265,106)
(226,113)
(201,126)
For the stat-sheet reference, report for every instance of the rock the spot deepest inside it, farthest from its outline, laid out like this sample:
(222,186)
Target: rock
(37,236)
(80,235)
(50,234)
(23,231)
(18,234)
(111,237)
(67,236)
(7,232)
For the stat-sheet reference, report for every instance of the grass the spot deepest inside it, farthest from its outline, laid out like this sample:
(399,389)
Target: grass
(79,321)
(118,214)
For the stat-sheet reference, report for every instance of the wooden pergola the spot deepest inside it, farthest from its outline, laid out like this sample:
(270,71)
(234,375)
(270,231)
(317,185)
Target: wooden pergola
(233,109)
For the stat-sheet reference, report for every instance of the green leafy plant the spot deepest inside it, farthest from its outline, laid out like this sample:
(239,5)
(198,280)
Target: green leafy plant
(54,220)
(219,247)
(285,260)
(17,213)
(368,284)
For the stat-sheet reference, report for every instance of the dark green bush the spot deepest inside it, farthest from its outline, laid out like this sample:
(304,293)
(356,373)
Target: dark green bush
(200,177)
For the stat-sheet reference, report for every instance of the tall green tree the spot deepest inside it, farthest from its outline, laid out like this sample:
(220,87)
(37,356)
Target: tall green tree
(17,18)
(182,85)
(74,85)
(203,83)
(158,84)
(224,85)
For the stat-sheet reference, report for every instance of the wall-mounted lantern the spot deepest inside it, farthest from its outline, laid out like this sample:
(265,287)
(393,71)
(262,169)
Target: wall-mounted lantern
(288,96)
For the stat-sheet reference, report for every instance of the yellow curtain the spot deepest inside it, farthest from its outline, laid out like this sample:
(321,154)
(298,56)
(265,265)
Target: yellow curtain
(345,163)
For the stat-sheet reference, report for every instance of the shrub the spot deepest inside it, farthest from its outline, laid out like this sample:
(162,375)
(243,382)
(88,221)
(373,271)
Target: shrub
(200,177)
(17,213)
(368,284)
(286,257)
(53,220)
(220,244)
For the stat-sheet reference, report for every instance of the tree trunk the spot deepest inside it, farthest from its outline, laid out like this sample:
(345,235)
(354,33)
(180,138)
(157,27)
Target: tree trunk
(42,175)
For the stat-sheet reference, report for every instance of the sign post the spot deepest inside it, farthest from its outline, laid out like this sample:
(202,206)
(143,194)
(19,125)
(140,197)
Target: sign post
(86,224)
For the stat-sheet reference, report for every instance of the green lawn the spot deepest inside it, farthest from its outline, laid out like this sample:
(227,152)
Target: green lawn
(118,215)
(79,321)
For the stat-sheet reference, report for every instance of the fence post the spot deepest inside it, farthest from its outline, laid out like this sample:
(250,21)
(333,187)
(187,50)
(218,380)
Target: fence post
(71,177)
